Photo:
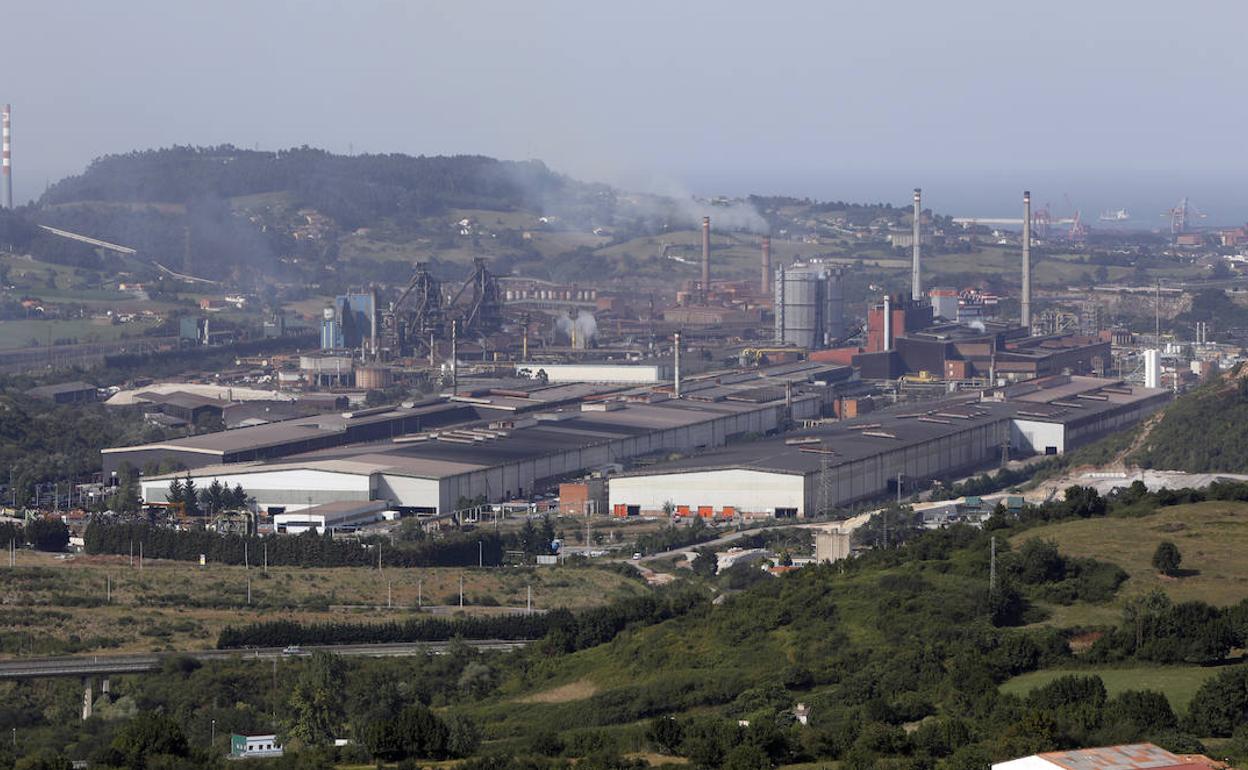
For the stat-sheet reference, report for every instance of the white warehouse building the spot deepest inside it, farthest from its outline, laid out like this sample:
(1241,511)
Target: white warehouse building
(863,459)
(431,471)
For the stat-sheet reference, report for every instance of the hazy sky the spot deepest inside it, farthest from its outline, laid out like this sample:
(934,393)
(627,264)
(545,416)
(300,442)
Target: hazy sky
(759,95)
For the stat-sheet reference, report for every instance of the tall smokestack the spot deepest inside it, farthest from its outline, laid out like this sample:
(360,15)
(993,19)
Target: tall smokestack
(6,160)
(764,286)
(916,278)
(888,323)
(1026,300)
(372,322)
(676,365)
(706,256)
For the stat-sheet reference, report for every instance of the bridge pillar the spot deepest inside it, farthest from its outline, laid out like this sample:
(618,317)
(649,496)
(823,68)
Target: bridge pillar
(86,697)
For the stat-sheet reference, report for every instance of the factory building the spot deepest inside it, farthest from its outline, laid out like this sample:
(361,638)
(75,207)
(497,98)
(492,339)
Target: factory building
(351,322)
(809,306)
(892,318)
(987,350)
(863,459)
(500,444)
(944,303)
(340,516)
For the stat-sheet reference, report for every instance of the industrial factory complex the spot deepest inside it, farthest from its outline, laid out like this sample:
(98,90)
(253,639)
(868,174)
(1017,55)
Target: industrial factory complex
(816,413)
(736,459)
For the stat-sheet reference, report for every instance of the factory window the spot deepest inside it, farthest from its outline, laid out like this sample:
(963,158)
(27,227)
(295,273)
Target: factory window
(786,513)
(1050,450)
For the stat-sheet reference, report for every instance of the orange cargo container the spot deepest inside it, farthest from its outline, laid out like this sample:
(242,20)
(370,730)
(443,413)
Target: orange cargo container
(619,509)
(706,511)
(728,512)
(682,510)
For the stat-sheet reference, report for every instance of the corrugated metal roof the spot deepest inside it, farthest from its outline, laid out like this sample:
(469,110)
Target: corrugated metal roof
(1133,756)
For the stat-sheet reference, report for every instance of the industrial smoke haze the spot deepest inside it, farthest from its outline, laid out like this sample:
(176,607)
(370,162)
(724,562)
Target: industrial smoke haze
(584,325)
(659,201)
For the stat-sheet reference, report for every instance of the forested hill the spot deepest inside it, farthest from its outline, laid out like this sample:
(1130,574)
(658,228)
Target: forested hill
(1202,431)
(353,190)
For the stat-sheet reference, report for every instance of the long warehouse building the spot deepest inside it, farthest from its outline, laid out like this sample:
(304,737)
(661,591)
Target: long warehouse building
(515,442)
(832,467)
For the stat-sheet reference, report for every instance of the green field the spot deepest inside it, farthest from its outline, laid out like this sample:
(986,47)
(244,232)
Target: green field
(1212,537)
(1178,683)
(20,334)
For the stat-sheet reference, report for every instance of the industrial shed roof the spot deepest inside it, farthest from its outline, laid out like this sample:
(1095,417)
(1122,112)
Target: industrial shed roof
(1061,400)
(844,442)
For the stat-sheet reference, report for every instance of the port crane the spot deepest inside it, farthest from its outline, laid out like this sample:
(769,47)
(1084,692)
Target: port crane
(1180,214)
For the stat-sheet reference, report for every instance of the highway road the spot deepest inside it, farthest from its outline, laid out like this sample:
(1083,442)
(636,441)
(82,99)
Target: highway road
(847,525)
(98,665)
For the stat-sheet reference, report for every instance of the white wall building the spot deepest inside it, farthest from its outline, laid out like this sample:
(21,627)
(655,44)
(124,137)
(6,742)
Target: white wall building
(344,516)
(647,373)
(867,458)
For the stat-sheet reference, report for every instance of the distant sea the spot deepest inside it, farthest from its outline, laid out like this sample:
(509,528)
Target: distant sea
(1221,196)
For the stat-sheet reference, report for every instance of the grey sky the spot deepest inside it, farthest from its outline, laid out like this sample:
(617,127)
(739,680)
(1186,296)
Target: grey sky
(654,93)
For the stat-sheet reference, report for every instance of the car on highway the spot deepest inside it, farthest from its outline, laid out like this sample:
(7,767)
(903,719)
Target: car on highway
(293,649)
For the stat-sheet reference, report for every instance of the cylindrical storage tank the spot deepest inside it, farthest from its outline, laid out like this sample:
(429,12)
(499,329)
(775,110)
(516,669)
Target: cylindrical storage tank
(374,377)
(801,312)
(834,316)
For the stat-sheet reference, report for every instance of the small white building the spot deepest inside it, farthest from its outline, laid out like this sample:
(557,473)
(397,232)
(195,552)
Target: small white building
(254,746)
(344,515)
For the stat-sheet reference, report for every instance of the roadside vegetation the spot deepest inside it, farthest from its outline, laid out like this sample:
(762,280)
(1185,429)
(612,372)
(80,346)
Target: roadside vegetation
(906,657)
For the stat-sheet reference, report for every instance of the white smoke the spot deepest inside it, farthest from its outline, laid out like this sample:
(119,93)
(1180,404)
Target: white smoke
(684,212)
(736,215)
(978,326)
(584,325)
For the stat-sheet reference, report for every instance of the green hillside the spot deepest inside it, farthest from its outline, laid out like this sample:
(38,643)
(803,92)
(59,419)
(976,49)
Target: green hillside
(905,658)
(1202,431)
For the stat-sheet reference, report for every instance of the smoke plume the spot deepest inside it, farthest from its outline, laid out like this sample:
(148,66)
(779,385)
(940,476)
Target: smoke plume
(585,326)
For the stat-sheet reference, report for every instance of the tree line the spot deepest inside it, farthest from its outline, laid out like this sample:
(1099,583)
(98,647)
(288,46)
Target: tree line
(304,550)
(38,533)
(560,630)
